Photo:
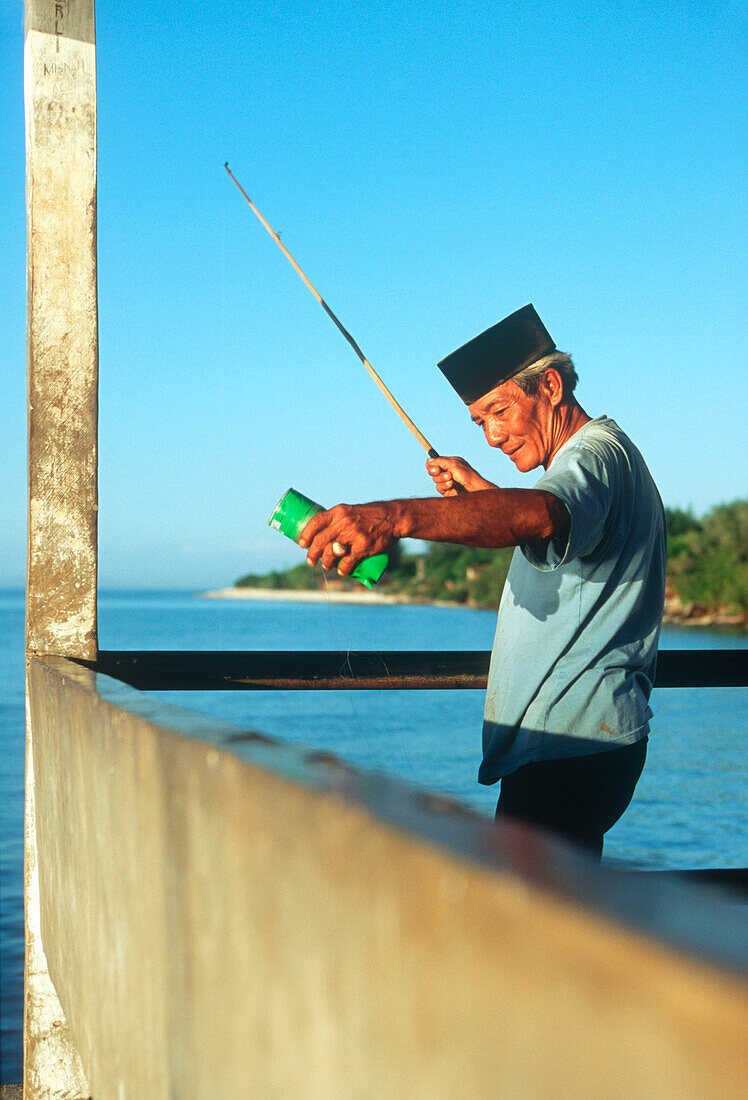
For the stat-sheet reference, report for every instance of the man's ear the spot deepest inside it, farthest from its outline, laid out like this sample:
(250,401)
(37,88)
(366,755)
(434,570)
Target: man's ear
(552,385)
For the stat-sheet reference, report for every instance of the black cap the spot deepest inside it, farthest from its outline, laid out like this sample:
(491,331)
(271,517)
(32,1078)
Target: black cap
(497,354)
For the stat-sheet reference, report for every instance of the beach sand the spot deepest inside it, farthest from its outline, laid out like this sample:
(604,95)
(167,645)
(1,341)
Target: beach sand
(303,595)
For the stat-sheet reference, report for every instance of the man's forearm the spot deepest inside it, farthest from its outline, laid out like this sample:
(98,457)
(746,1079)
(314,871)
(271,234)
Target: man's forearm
(488,518)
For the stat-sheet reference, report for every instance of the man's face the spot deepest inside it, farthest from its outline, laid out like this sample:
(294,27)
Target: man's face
(519,425)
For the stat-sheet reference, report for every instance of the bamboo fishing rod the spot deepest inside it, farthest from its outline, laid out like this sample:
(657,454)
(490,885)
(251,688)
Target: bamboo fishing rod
(398,408)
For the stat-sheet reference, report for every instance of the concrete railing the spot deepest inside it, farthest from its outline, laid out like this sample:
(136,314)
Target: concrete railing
(225,916)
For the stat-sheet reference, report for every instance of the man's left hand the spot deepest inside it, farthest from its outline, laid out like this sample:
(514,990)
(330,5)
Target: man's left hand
(362,529)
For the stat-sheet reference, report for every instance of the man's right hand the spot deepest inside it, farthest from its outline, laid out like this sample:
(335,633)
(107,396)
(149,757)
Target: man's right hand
(454,475)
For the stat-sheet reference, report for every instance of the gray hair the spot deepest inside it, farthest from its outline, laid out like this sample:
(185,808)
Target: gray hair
(528,379)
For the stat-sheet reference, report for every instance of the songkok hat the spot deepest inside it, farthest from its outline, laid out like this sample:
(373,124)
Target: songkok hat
(497,354)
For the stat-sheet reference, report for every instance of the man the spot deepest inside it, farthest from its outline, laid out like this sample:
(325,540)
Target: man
(567,715)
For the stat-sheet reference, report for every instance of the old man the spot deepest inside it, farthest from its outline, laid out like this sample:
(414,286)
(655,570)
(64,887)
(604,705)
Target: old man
(567,712)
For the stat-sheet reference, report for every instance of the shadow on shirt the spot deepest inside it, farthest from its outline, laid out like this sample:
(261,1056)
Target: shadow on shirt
(542,599)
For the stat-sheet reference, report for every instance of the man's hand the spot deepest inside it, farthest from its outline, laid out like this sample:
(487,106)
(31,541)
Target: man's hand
(449,473)
(361,529)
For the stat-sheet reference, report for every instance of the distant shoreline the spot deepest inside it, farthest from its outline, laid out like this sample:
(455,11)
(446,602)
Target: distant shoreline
(674,614)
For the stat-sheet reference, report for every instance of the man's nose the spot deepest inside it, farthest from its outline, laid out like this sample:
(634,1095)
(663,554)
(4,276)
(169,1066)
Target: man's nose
(494,435)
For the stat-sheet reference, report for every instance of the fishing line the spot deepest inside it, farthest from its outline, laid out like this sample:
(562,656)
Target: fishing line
(347,664)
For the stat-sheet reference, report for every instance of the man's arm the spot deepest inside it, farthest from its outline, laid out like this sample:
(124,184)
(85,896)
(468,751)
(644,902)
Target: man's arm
(488,518)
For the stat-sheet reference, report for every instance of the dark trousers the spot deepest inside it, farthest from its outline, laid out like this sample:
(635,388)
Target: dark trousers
(579,797)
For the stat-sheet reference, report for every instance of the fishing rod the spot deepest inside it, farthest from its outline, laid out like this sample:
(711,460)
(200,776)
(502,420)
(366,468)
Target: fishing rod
(398,408)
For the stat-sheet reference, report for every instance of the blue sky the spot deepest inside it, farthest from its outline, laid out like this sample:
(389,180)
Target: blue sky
(432,168)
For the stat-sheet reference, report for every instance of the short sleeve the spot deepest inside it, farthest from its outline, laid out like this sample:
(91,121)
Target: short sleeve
(582,479)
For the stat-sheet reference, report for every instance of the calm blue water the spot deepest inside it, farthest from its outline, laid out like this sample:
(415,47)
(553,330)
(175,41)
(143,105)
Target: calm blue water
(689,809)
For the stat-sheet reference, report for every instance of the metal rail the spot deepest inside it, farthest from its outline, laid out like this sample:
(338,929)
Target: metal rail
(210,670)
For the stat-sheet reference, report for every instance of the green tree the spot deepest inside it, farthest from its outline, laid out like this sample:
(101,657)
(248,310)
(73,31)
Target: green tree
(678,524)
(709,563)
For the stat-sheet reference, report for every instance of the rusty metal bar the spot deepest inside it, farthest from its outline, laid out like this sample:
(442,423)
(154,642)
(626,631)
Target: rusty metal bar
(328,670)
(734,878)
(208,670)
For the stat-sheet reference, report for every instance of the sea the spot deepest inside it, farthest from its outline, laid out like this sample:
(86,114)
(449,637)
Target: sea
(689,809)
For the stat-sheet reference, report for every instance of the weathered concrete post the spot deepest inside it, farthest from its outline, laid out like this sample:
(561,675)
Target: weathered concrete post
(62,341)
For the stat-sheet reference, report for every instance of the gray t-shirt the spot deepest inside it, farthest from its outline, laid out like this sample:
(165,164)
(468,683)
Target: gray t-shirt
(576,640)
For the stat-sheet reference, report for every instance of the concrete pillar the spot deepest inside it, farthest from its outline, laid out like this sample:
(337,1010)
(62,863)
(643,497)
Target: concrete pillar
(60,80)
(62,343)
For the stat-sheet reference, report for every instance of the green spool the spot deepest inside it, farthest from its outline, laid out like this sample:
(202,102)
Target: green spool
(291,515)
